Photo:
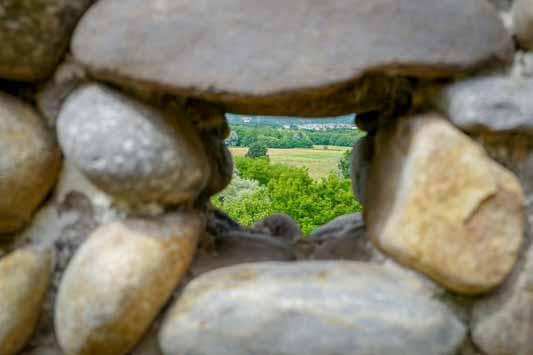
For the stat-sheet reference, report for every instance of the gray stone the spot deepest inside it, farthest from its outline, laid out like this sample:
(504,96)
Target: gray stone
(219,223)
(497,104)
(312,308)
(523,64)
(346,224)
(502,324)
(343,238)
(130,150)
(279,225)
(29,163)
(523,23)
(502,5)
(35,34)
(276,57)
(237,247)
(360,159)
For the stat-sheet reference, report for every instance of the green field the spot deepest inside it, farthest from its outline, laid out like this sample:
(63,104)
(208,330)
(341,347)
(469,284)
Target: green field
(318,160)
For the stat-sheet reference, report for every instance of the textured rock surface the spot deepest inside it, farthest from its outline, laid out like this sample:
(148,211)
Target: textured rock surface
(523,22)
(515,151)
(130,150)
(360,159)
(24,278)
(312,308)
(51,96)
(503,323)
(437,203)
(499,104)
(343,238)
(74,210)
(29,163)
(317,52)
(238,247)
(502,4)
(279,225)
(523,65)
(347,224)
(221,164)
(118,281)
(34,35)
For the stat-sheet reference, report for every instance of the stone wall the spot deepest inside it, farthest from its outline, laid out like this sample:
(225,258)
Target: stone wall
(112,133)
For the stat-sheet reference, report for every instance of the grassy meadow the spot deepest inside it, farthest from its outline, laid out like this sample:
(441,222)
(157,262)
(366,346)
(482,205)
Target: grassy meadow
(319,160)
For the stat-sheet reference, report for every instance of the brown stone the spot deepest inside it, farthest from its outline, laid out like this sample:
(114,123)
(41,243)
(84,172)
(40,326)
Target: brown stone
(221,161)
(523,22)
(118,281)
(360,159)
(35,34)
(24,279)
(437,203)
(276,57)
(29,163)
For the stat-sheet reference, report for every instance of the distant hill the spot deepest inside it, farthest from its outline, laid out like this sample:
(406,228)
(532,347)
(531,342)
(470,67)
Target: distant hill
(283,120)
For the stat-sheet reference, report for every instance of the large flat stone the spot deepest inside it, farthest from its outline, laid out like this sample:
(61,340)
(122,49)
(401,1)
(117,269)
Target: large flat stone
(436,202)
(35,34)
(300,57)
(312,308)
(499,104)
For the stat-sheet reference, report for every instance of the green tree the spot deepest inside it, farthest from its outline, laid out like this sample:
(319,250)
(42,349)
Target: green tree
(250,208)
(257,150)
(236,190)
(276,137)
(285,189)
(245,200)
(344,164)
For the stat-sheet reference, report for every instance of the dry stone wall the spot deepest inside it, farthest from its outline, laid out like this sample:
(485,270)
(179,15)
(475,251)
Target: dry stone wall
(112,133)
